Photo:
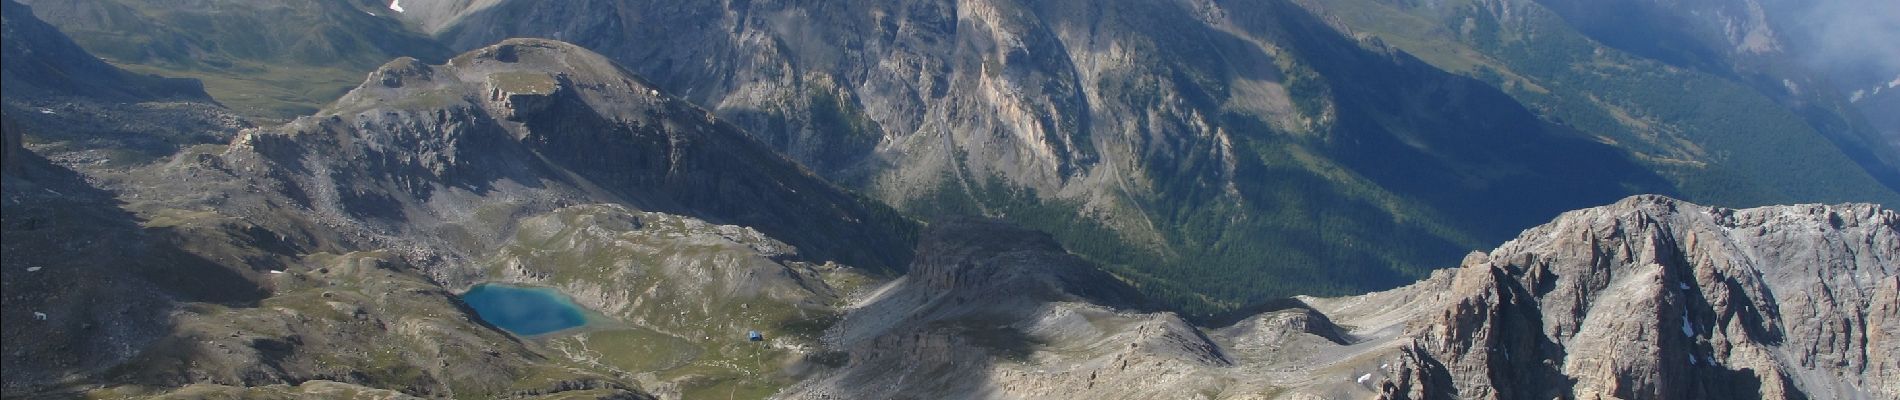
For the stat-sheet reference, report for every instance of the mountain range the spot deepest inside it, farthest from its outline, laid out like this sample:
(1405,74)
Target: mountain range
(1206,150)
(965,199)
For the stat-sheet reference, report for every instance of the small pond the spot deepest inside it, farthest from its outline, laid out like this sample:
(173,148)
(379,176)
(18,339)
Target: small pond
(525,311)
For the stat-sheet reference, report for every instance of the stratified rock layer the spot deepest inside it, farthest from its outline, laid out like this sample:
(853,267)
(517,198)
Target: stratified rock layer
(1655,298)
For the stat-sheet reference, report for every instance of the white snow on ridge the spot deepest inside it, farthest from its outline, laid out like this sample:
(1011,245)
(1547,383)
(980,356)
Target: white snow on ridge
(395,5)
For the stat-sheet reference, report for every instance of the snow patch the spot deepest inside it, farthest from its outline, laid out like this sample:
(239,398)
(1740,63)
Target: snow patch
(395,5)
(1856,96)
(1688,329)
(1691,359)
(1363,378)
(1682,285)
(1895,83)
(32,269)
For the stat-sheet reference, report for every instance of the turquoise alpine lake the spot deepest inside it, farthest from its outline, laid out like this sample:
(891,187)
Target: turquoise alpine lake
(525,311)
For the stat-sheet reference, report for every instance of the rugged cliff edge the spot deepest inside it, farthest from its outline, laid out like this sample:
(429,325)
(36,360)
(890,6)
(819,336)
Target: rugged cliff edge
(1655,298)
(321,258)
(1210,147)
(1649,297)
(436,157)
(330,249)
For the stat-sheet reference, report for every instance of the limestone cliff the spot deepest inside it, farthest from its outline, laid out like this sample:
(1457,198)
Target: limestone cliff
(1649,297)
(1655,298)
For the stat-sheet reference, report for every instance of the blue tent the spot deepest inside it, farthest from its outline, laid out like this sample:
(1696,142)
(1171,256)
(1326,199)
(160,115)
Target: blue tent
(754,336)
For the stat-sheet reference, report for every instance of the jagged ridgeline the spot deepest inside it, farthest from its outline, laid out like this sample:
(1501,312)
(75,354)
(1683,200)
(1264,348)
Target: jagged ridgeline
(1216,153)
(1646,298)
(451,155)
(1207,154)
(322,257)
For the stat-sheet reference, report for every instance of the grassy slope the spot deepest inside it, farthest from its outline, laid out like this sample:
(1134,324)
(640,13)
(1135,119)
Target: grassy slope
(692,297)
(265,60)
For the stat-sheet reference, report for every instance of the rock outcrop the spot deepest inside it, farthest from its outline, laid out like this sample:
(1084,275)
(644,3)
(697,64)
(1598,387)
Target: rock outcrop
(1193,140)
(419,154)
(322,257)
(332,248)
(1650,297)
(1655,298)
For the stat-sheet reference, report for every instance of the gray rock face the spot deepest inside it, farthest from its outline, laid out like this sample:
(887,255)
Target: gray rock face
(330,248)
(423,153)
(1654,298)
(1178,128)
(1646,298)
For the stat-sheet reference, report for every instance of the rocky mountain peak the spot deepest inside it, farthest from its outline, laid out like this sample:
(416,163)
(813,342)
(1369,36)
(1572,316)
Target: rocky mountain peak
(396,71)
(1655,297)
(543,124)
(1649,297)
(513,78)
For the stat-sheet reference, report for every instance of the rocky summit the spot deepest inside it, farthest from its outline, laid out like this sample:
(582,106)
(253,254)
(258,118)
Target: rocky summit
(331,248)
(973,199)
(1200,147)
(1650,297)
(527,125)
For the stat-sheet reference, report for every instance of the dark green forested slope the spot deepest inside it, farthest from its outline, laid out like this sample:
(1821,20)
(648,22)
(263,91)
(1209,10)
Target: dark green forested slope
(1718,140)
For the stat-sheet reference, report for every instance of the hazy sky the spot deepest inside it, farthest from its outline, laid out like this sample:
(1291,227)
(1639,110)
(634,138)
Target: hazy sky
(1856,40)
